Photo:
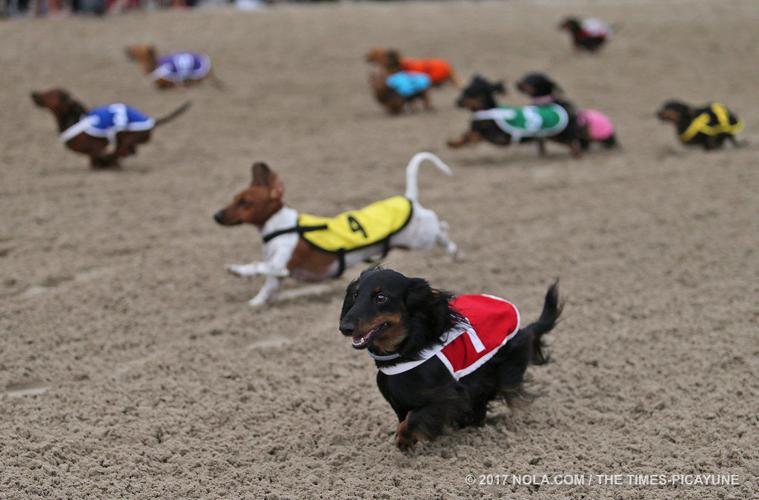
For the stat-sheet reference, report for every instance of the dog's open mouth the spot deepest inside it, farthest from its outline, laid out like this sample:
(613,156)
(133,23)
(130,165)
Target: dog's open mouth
(361,341)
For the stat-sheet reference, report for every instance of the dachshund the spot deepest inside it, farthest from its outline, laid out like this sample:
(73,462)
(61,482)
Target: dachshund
(594,125)
(313,248)
(440,71)
(708,126)
(173,70)
(441,358)
(505,125)
(587,34)
(91,132)
(399,91)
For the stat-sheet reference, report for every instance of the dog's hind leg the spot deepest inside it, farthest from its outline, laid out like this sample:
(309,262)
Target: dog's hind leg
(443,240)
(267,292)
(541,143)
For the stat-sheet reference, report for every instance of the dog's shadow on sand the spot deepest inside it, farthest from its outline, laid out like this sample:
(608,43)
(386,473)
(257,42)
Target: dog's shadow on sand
(75,170)
(678,151)
(448,444)
(515,161)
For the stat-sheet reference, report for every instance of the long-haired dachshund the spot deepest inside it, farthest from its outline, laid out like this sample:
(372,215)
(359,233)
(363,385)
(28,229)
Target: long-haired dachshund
(708,126)
(440,71)
(504,125)
(587,34)
(595,127)
(173,70)
(313,248)
(399,91)
(92,132)
(442,358)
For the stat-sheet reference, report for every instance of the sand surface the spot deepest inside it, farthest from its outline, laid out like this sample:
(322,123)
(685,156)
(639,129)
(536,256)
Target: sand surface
(131,366)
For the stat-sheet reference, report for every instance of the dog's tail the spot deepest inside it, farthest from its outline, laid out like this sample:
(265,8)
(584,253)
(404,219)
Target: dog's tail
(412,172)
(216,82)
(167,118)
(552,308)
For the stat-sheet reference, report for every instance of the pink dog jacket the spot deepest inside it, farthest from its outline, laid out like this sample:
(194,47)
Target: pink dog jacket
(599,125)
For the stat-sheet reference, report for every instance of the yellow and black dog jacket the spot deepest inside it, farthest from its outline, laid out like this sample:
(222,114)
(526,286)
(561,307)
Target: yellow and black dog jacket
(712,121)
(354,230)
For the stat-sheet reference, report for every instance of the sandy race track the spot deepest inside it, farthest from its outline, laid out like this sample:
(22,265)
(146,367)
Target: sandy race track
(131,366)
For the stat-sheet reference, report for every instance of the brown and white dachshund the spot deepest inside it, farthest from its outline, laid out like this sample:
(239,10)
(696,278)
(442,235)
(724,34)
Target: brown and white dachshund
(91,132)
(173,70)
(291,239)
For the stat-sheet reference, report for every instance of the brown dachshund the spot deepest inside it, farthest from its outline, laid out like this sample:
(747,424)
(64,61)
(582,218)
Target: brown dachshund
(92,132)
(173,70)
(400,91)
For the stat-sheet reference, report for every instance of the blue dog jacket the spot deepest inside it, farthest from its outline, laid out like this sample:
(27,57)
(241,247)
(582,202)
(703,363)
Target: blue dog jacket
(408,83)
(107,121)
(182,66)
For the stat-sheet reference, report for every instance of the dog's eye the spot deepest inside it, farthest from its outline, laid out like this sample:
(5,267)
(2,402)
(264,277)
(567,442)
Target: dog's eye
(380,298)
(355,294)
(243,202)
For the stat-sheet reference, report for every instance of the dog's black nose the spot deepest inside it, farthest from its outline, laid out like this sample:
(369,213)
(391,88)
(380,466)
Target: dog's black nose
(347,327)
(219,217)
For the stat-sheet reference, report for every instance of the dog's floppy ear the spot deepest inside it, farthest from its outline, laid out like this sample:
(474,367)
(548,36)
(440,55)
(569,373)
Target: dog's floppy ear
(499,87)
(428,308)
(349,299)
(393,58)
(419,294)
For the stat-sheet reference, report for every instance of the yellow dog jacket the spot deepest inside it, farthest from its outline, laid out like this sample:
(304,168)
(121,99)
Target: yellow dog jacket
(353,230)
(714,121)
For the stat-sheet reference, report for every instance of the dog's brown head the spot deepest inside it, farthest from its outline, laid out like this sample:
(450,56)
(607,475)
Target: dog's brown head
(389,313)
(65,108)
(141,53)
(390,59)
(256,204)
(56,100)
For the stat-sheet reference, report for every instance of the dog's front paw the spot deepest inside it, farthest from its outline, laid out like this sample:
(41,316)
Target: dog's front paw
(243,270)
(256,302)
(405,441)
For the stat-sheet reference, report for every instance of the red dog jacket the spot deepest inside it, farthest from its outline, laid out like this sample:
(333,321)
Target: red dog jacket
(489,323)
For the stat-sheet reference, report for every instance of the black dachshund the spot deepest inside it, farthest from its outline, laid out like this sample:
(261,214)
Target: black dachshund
(503,125)
(441,358)
(709,126)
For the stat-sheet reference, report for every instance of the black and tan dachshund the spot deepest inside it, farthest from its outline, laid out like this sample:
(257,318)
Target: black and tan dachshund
(595,126)
(708,126)
(587,34)
(504,125)
(442,358)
